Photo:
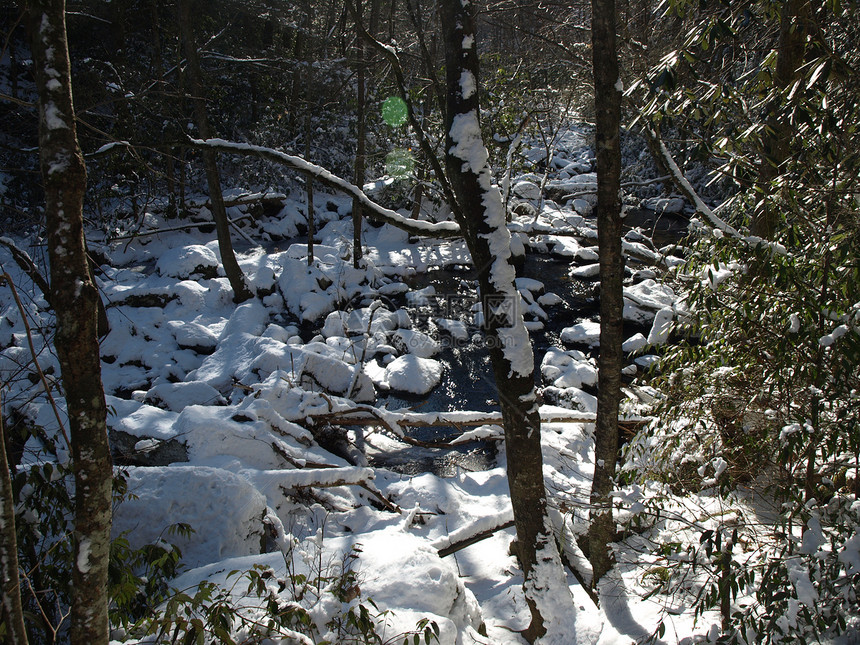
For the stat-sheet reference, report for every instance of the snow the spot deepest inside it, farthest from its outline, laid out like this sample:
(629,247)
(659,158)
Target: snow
(413,374)
(224,510)
(584,333)
(468,145)
(185,262)
(237,388)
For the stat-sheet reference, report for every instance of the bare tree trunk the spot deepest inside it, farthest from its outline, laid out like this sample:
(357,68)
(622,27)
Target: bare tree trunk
(11,611)
(776,144)
(75,301)
(481,217)
(158,65)
(360,152)
(241,291)
(607,95)
(309,187)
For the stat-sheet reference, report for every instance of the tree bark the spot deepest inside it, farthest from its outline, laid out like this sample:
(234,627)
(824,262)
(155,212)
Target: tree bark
(481,217)
(607,99)
(361,135)
(75,301)
(241,291)
(11,611)
(776,144)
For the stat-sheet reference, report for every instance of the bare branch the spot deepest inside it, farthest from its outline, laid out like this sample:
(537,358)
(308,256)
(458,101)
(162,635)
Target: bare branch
(372,209)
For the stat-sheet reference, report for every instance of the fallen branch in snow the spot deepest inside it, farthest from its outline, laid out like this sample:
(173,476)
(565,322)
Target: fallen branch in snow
(461,544)
(170,229)
(23,260)
(323,176)
(332,478)
(395,422)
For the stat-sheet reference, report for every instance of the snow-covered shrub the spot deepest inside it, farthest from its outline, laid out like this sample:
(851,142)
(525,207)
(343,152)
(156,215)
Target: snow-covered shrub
(317,602)
(762,397)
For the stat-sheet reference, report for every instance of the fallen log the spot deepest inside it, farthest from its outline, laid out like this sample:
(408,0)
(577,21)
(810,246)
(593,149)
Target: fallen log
(459,545)
(395,422)
(331,478)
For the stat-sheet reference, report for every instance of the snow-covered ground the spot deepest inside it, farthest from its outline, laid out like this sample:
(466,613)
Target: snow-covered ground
(219,411)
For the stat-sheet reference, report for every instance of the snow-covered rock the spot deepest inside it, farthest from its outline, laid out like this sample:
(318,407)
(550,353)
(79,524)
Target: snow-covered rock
(203,497)
(455,328)
(648,297)
(187,261)
(193,336)
(584,333)
(568,369)
(413,374)
(177,396)
(634,343)
(659,333)
(415,342)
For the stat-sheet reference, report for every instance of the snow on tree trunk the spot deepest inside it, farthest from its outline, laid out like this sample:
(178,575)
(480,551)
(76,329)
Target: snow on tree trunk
(481,216)
(241,291)
(607,95)
(74,298)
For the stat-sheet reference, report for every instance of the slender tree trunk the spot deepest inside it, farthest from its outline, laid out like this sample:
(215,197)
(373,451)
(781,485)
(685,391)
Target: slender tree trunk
(241,291)
(158,65)
(607,98)
(776,144)
(309,186)
(11,611)
(361,134)
(481,216)
(75,301)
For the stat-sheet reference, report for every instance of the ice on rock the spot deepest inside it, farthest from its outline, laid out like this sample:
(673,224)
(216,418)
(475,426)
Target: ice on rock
(413,374)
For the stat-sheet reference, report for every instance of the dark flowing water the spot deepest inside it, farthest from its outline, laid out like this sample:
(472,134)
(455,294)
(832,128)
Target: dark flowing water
(467,382)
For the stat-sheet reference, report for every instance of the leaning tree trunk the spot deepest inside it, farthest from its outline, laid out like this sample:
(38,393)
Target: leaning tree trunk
(481,217)
(75,301)
(241,291)
(607,99)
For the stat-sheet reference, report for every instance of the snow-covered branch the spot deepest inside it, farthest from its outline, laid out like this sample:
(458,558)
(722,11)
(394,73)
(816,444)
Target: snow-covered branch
(320,174)
(701,207)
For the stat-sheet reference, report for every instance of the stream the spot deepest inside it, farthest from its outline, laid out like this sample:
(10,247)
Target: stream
(467,382)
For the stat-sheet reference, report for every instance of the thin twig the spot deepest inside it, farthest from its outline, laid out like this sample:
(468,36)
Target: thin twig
(42,377)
